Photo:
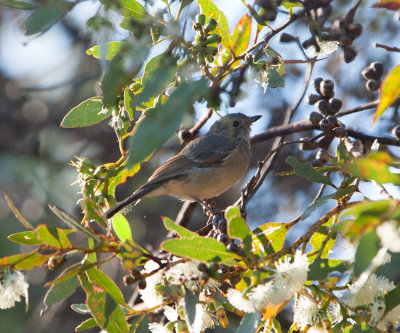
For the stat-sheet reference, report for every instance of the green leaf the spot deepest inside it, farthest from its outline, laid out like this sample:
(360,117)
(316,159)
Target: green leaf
(210,10)
(122,68)
(18,214)
(363,328)
(158,73)
(140,324)
(181,231)
(44,18)
(192,318)
(321,268)
(102,280)
(392,299)
(269,237)
(389,91)
(129,102)
(203,249)
(85,325)
(270,78)
(291,4)
(24,261)
(111,49)
(108,314)
(19,4)
(237,227)
(68,273)
(307,171)
(249,322)
(88,113)
(59,292)
(74,224)
(121,227)
(159,123)
(54,236)
(82,309)
(25,237)
(127,8)
(373,167)
(367,249)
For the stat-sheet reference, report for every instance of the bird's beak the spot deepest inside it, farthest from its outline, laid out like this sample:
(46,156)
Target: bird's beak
(255,118)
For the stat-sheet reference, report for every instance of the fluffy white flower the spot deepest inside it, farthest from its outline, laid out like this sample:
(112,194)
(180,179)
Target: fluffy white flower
(334,312)
(305,312)
(150,296)
(366,294)
(260,296)
(389,234)
(170,313)
(377,309)
(325,48)
(158,328)
(239,301)
(190,273)
(12,286)
(209,320)
(391,319)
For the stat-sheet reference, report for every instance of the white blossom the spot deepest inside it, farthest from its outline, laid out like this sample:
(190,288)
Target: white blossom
(150,296)
(325,48)
(377,309)
(209,320)
(261,295)
(158,328)
(366,294)
(391,319)
(389,234)
(334,312)
(190,273)
(170,313)
(13,285)
(239,301)
(305,312)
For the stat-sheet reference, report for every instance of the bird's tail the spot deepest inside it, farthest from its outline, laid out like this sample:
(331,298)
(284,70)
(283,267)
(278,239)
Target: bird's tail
(135,196)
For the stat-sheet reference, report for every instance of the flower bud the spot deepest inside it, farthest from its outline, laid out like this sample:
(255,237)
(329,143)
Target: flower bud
(201,19)
(211,25)
(335,104)
(312,99)
(372,85)
(315,117)
(287,38)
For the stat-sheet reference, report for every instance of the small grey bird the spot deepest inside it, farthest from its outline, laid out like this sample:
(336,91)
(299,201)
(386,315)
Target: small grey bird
(205,168)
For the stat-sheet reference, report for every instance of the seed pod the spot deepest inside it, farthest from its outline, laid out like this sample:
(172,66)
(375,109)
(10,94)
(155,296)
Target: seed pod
(215,221)
(201,61)
(369,73)
(202,267)
(335,104)
(349,54)
(316,83)
(322,156)
(142,284)
(249,59)
(323,106)
(128,280)
(372,85)
(315,117)
(287,38)
(210,50)
(324,125)
(355,29)
(378,68)
(396,131)
(346,39)
(332,122)
(340,132)
(268,14)
(223,238)
(211,25)
(197,26)
(305,146)
(312,99)
(222,226)
(201,19)
(326,87)
(213,38)
(310,42)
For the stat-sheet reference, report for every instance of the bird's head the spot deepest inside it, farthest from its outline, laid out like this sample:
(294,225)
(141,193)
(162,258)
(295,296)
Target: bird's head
(234,125)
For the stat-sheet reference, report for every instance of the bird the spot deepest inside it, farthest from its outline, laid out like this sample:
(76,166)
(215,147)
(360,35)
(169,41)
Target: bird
(204,168)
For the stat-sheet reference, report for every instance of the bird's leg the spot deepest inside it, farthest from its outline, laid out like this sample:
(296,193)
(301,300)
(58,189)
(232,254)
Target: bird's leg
(208,206)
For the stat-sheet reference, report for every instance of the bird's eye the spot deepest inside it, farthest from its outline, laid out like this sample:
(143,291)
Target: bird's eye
(235,123)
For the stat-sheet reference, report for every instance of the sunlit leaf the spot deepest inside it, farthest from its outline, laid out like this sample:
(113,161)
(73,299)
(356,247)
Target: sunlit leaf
(203,249)
(319,238)
(25,237)
(59,292)
(181,231)
(192,318)
(24,261)
(82,309)
(85,325)
(54,236)
(87,113)
(389,91)
(121,227)
(237,227)
(110,50)
(388,4)
(321,268)
(269,237)
(127,8)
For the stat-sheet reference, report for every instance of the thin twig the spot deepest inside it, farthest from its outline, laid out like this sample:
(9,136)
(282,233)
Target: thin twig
(387,48)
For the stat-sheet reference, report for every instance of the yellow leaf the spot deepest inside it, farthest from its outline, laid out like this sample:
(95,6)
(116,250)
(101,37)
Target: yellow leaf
(389,91)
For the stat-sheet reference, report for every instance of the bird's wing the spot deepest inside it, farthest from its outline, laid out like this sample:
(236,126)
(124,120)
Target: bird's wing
(201,152)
